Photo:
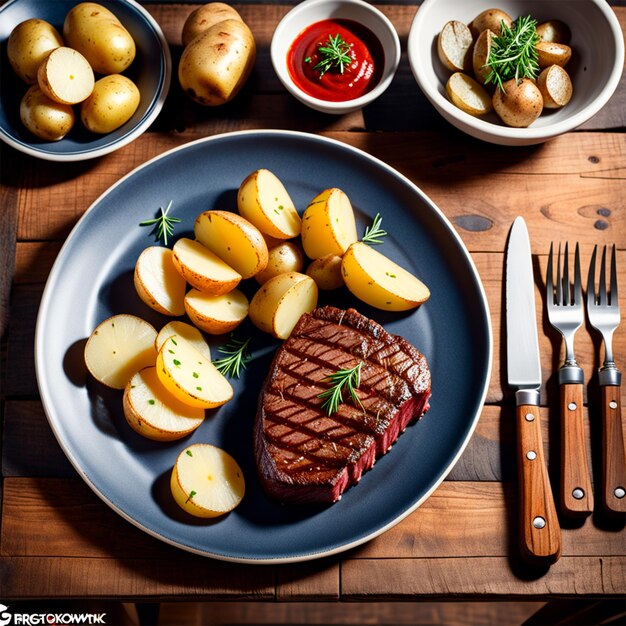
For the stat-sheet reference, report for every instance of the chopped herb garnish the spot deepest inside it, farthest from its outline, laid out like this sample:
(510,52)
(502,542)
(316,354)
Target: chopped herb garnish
(174,341)
(374,233)
(192,493)
(334,55)
(307,60)
(195,375)
(189,453)
(333,396)
(163,224)
(176,362)
(235,357)
(151,401)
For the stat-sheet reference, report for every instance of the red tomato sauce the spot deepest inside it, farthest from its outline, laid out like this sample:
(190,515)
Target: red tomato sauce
(359,77)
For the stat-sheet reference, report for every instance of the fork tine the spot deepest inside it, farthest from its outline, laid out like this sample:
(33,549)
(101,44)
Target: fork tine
(566,292)
(559,286)
(614,298)
(591,279)
(549,283)
(602,300)
(578,292)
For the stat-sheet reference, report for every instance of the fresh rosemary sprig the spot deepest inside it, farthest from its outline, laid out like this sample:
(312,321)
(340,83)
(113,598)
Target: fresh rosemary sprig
(163,224)
(236,357)
(335,54)
(333,396)
(513,53)
(374,233)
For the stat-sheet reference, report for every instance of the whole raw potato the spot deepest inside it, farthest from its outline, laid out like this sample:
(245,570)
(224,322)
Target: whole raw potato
(216,64)
(45,118)
(520,104)
(100,37)
(112,102)
(28,44)
(204,17)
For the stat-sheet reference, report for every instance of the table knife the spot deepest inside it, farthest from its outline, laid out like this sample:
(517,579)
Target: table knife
(540,534)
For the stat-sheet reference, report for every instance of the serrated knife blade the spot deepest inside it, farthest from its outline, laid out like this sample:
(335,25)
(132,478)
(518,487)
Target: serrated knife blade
(540,534)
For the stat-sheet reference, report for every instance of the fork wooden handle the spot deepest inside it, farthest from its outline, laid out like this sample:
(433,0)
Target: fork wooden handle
(540,533)
(613,456)
(576,490)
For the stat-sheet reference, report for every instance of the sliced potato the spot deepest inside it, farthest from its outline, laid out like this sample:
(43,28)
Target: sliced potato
(377,280)
(158,283)
(191,377)
(234,240)
(465,93)
(555,86)
(278,305)
(480,55)
(554,31)
(326,272)
(490,19)
(454,46)
(216,315)
(118,348)
(202,18)
(520,104)
(45,118)
(549,53)
(203,269)
(264,201)
(154,412)
(66,76)
(328,224)
(28,45)
(188,332)
(283,257)
(206,481)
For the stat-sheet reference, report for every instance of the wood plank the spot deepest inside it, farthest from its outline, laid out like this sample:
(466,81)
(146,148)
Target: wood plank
(312,580)
(481,205)
(46,517)
(492,577)
(186,577)
(34,260)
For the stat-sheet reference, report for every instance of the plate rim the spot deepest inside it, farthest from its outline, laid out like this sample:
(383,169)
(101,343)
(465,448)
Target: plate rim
(310,555)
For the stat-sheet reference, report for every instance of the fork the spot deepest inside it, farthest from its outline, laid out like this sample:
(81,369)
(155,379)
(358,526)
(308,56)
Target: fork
(565,312)
(604,316)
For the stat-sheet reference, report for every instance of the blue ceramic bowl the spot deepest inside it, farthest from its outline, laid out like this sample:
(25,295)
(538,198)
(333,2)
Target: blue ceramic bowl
(151,71)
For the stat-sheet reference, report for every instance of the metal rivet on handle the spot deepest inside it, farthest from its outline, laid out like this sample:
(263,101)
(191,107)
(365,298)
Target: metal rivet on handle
(578,493)
(531,455)
(539,522)
(571,406)
(620,492)
(529,417)
(613,404)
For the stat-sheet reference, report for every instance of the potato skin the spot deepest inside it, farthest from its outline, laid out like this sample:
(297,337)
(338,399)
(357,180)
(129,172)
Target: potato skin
(112,103)
(326,272)
(552,54)
(283,257)
(100,37)
(217,63)
(490,19)
(204,17)
(28,45)
(45,118)
(554,31)
(520,104)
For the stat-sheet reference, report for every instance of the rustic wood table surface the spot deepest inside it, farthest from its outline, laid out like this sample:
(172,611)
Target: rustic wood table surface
(59,540)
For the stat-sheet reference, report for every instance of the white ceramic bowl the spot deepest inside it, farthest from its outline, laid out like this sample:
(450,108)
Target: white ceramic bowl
(595,68)
(311,11)
(151,71)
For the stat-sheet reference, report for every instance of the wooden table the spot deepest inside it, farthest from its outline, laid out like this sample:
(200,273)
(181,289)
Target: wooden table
(59,540)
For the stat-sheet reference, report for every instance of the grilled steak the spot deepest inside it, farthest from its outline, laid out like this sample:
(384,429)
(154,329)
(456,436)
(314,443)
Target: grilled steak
(302,454)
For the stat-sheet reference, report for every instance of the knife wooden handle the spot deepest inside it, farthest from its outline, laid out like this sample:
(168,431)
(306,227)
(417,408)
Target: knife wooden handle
(540,533)
(576,489)
(614,458)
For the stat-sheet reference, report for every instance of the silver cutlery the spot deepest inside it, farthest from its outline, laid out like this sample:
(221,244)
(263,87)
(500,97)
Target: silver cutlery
(564,302)
(540,534)
(604,316)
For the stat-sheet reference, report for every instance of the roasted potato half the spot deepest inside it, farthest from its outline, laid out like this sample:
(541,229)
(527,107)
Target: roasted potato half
(188,332)
(264,201)
(555,86)
(465,93)
(216,315)
(154,412)
(66,76)
(206,481)
(234,240)
(378,281)
(454,46)
(278,305)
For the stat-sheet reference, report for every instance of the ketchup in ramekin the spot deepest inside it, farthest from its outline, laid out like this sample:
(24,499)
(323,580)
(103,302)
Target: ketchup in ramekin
(342,82)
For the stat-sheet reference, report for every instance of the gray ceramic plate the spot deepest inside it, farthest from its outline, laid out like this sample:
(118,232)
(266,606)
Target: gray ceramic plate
(92,279)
